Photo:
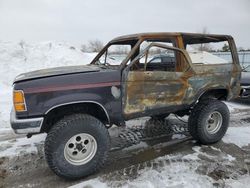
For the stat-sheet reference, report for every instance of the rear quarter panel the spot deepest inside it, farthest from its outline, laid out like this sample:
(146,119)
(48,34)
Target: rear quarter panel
(214,76)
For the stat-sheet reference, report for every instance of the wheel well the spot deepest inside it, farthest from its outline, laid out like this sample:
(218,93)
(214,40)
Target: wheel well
(220,94)
(58,113)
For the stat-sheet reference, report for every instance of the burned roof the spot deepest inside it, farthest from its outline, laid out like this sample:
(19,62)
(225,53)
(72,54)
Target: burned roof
(189,38)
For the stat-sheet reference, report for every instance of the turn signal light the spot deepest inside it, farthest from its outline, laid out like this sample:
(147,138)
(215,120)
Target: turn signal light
(19,101)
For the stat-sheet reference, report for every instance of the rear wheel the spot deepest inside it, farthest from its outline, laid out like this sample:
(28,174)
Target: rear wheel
(77,146)
(209,121)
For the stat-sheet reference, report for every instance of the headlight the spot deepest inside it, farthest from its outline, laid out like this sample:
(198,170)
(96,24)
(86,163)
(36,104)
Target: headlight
(19,101)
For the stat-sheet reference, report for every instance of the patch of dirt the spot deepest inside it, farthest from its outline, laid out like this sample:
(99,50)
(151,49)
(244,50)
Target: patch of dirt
(3,172)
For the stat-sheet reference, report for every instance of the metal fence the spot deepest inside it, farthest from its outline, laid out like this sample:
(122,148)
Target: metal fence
(244,57)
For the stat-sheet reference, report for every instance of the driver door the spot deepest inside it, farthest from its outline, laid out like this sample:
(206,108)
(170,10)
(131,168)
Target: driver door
(152,87)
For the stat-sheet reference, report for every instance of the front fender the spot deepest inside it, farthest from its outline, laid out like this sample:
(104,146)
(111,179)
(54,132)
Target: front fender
(39,104)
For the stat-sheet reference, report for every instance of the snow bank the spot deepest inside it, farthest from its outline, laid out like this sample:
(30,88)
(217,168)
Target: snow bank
(16,58)
(206,58)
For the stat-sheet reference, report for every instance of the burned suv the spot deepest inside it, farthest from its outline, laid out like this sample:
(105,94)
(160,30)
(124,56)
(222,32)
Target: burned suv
(149,74)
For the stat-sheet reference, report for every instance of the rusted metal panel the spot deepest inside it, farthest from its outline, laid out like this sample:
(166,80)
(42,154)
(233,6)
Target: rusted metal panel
(170,34)
(149,90)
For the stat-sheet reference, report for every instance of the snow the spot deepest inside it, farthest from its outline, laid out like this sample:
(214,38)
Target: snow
(5,130)
(227,157)
(178,171)
(178,136)
(174,175)
(5,104)
(236,107)
(205,58)
(14,147)
(239,136)
(17,58)
(91,184)
(198,151)
(242,182)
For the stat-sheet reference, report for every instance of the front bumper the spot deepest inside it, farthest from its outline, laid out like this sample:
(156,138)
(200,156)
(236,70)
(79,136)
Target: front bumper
(25,126)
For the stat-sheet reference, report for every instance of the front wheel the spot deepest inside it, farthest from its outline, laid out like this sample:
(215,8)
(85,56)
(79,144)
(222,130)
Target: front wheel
(209,121)
(77,146)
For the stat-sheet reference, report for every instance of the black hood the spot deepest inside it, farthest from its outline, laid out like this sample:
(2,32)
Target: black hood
(56,72)
(245,78)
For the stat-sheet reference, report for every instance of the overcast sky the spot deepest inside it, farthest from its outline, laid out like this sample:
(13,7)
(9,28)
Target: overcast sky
(77,21)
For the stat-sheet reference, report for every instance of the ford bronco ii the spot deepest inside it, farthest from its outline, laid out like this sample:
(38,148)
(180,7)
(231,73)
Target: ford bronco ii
(148,74)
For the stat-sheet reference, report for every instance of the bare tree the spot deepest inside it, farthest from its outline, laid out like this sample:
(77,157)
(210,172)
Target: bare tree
(84,48)
(22,43)
(225,48)
(95,45)
(204,46)
(119,49)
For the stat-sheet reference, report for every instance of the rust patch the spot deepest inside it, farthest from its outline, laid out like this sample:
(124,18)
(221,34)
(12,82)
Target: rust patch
(150,90)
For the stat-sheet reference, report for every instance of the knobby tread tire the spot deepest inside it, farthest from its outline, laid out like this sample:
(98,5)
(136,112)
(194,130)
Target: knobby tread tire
(196,125)
(56,136)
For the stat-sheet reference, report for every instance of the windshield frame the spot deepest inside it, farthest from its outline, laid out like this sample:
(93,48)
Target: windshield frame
(133,42)
(135,47)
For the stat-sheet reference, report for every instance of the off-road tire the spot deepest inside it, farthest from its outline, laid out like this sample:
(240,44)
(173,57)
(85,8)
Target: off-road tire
(62,131)
(198,117)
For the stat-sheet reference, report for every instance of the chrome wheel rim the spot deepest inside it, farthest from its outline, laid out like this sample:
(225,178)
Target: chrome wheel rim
(80,149)
(214,122)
